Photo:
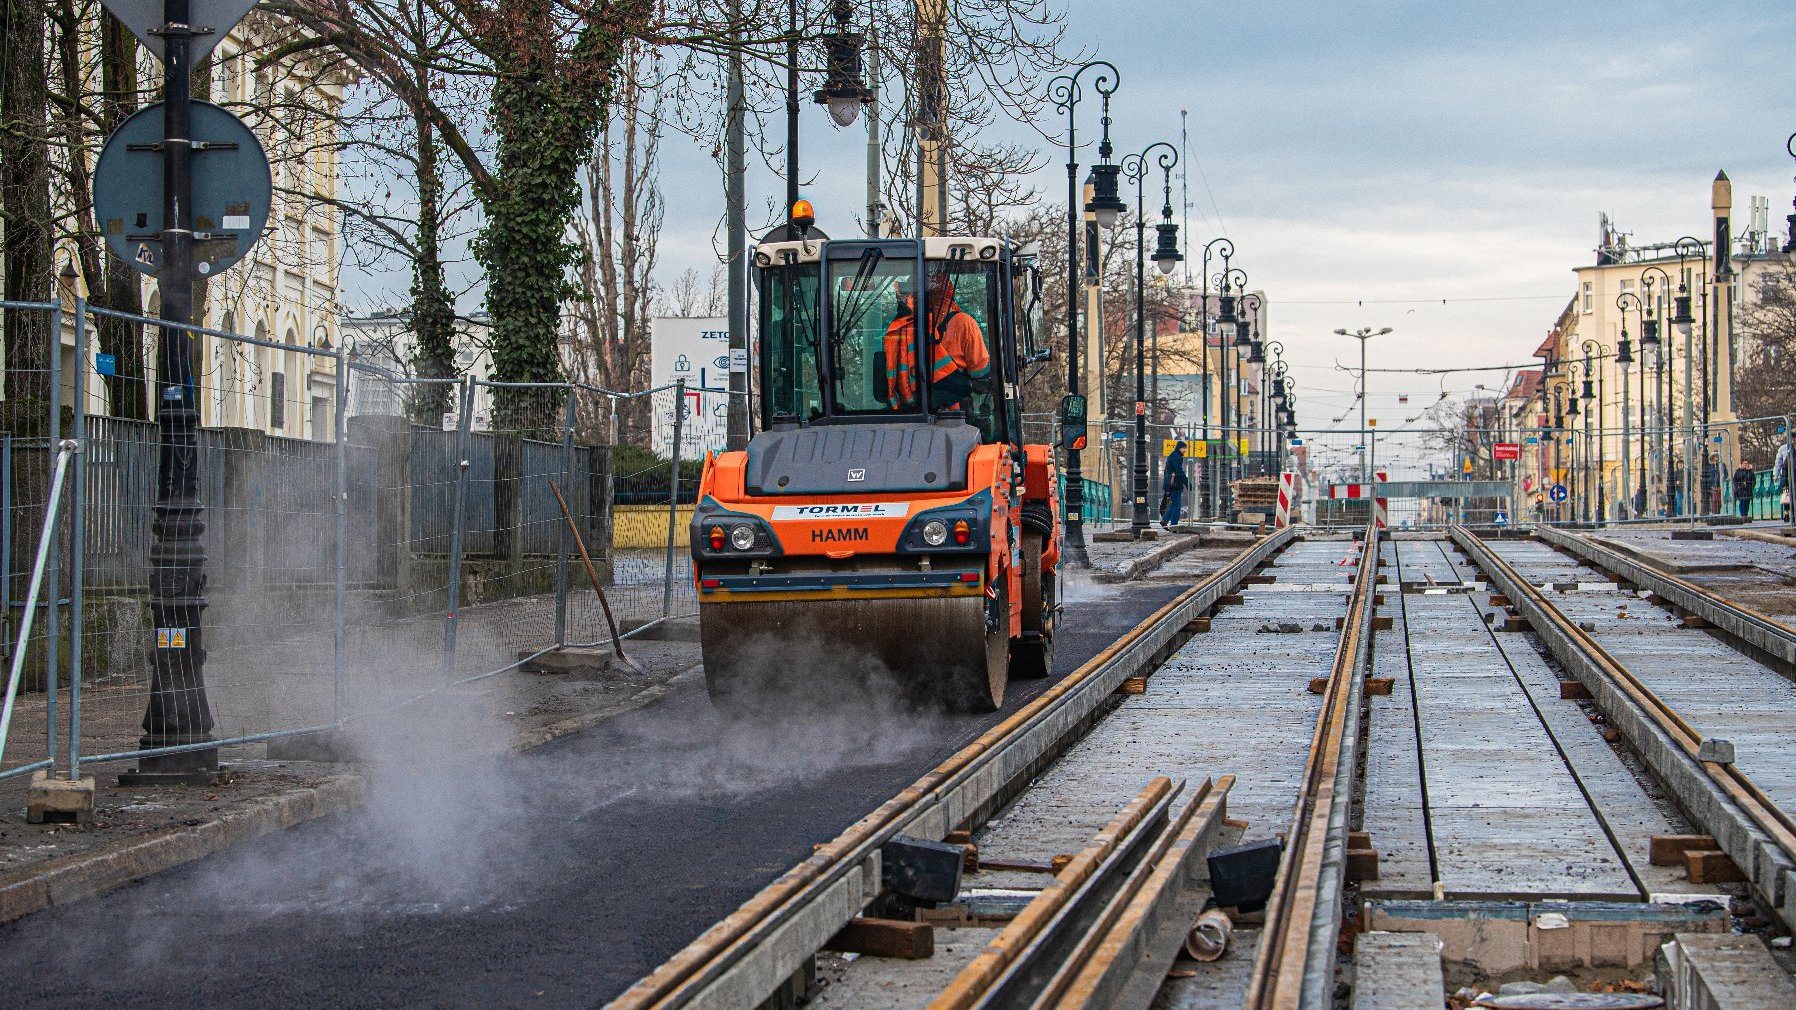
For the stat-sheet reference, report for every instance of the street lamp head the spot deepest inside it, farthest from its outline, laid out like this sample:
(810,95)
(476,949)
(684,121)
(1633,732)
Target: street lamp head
(1382,332)
(843,90)
(1649,332)
(1680,313)
(1257,353)
(1624,351)
(1105,204)
(1166,254)
(1343,333)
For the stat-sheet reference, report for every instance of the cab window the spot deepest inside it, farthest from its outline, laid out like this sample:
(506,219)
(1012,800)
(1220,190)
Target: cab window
(872,342)
(790,375)
(965,361)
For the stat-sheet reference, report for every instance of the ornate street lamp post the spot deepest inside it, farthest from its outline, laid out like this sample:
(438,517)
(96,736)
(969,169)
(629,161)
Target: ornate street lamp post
(1211,487)
(1624,356)
(1651,344)
(1681,320)
(1065,92)
(1166,257)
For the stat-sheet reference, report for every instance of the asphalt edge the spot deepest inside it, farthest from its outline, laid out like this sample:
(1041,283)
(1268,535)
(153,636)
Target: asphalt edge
(90,874)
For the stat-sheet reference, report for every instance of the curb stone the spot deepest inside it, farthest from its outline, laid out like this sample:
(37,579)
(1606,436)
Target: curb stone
(1149,561)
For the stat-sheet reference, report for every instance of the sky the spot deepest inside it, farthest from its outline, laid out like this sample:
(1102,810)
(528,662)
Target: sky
(1370,159)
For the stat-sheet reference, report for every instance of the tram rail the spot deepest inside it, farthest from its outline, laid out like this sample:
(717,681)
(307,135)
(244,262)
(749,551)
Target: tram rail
(752,953)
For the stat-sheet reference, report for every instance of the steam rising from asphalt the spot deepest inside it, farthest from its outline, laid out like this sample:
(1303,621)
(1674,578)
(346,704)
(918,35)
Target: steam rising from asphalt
(455,826)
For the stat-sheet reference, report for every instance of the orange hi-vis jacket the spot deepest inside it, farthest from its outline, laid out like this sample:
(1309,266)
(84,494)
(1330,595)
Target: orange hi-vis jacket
(955,345)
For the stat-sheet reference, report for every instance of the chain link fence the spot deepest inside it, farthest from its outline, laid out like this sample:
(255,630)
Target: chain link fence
(371,539)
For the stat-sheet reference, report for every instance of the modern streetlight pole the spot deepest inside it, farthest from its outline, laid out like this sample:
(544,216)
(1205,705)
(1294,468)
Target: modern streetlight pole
(1065,93)
(1362,335)
(1166,258)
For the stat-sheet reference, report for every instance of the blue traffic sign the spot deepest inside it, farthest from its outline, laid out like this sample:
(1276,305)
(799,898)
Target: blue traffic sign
(1558,492)
(1499,519)
(106,364)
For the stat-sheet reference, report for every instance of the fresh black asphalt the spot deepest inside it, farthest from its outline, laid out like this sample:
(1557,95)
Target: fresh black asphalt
(551,878)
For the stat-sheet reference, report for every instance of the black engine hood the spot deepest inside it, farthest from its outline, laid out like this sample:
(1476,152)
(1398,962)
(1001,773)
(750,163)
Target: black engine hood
(861,458)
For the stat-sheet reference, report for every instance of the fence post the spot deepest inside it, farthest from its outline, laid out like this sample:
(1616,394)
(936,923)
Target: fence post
(6,544)
(53,601)
(77,539)
(340,644)
(464,417)
(673,503)
(567,481)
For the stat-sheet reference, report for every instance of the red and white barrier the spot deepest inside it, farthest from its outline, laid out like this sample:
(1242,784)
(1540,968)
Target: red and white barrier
(1381,512)
(1287,489)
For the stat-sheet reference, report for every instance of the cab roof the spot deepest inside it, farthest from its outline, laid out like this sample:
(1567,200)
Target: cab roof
(934,248)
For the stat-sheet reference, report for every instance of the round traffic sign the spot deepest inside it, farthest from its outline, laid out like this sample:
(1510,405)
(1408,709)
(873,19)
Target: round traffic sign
(1558,492)
(232,190)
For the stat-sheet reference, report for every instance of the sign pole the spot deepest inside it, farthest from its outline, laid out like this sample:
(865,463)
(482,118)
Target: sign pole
(178,713)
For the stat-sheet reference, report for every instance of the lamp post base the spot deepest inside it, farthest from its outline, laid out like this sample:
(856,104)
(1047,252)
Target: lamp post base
(185,768)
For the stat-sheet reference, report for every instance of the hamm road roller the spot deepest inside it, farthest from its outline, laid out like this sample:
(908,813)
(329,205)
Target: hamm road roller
(888,515)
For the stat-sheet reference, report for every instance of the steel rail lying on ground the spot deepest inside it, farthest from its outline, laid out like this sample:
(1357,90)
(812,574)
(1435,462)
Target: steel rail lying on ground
(744,958)
(1762,632)
(1083,923)
(1758,835)
(1294,965)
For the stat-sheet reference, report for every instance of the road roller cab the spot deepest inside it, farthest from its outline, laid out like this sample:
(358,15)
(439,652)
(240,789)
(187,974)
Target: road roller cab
(888,516)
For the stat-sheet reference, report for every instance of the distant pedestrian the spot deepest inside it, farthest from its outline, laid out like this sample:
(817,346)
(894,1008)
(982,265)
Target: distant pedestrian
(1172,486)
(1711,485)
(1744,479)
(1783,473)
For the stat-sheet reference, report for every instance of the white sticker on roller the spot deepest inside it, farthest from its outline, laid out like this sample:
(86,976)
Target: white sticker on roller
(859,510)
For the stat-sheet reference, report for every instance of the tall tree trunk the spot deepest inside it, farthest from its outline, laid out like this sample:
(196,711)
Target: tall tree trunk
(546,110)
(433,309)
(121,288)
(25,205)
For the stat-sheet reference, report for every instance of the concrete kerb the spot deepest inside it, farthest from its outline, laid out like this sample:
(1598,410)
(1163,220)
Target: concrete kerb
(1770,872)
(1151,560)
(90,874)
(65,881)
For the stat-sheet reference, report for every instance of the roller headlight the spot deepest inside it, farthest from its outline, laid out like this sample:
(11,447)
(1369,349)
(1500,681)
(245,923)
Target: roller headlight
(935,533)
(742,537)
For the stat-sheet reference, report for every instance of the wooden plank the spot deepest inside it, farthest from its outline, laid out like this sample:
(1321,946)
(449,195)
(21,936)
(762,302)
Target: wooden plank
(1362,864)
(1198,625)
(1711,866)
(1571,690)
(1380,686)
(910,941)
(1132,685)
(1668,850)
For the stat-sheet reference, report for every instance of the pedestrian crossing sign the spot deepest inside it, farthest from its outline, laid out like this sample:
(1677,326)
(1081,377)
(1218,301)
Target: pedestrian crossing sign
(1500,519)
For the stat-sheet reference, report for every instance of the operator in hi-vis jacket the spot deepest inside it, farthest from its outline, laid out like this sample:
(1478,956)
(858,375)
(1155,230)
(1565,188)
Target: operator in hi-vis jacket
(958,362)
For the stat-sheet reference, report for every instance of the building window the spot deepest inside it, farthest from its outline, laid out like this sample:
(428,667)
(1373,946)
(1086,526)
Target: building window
(277,400)
(1589,296)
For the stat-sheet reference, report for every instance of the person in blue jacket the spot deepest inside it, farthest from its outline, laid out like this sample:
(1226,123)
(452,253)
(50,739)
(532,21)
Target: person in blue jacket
(1172,486)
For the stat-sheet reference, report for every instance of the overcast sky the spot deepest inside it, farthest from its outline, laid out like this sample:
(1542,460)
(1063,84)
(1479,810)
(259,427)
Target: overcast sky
(1398,153)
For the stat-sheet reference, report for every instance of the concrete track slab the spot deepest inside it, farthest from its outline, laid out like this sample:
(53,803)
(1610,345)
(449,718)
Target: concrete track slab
(1716,689)
(1506,813)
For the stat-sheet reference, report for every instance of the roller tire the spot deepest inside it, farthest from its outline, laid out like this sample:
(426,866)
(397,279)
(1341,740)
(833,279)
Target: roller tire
(1032,656)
